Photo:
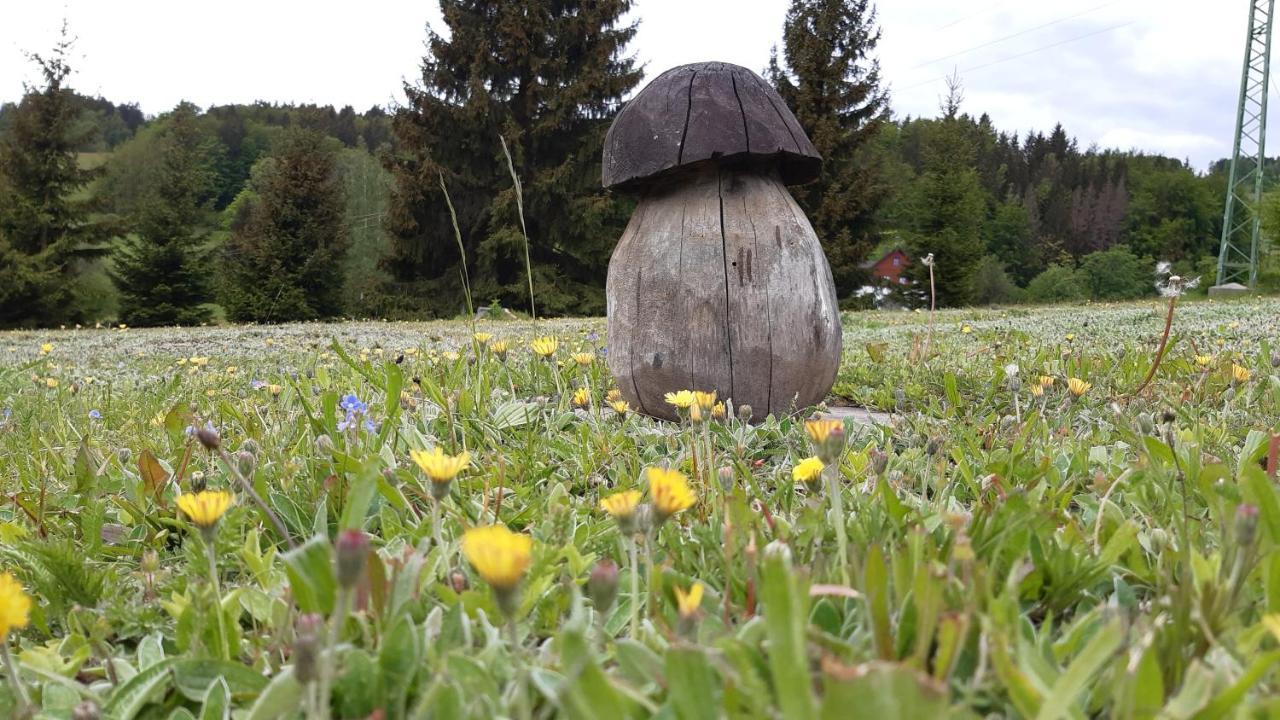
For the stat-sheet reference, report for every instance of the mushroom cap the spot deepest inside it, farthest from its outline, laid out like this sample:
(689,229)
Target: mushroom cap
(703,112)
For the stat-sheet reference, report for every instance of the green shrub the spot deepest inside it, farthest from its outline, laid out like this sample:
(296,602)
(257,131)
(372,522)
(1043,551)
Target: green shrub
(1058,283)
(1116,274)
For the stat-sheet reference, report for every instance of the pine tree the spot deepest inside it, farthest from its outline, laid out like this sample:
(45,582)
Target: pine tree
(949,207)
(546,76)
(45,231)
(160,270)
(285,261)
(831,81)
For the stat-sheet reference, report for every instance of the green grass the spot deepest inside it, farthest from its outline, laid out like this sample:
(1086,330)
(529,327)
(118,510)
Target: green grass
(1109,555)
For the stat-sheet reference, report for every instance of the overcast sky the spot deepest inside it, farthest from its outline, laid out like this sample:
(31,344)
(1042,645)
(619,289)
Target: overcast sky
(1156,75)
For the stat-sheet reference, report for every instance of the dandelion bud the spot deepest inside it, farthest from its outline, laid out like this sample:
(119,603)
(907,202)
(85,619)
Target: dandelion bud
(246,463)
(1159,540)
(306,648)
(933,446)
(778,549)
(725,476)
(150,562)
(353,551)
(1167,417)
(1246,524)
(695,414)
(208,436)
(744,413)
(1146,424)
(1275,359)
(198,481)
(324,444)
(602,585)
(250,446)
(123,455)
(899,399)
(879,461)
(86,710)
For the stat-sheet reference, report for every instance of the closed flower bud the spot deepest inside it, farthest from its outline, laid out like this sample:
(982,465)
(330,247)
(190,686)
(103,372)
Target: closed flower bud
(459,582)
(879,462)
(602,585)
(1275,359)
(198,481)
(86,710)
(123,455)
(324,444)
(725,476)
(150,562)
(352,551)
(744,413)
(933,446)
(1168,416)
(778,549)
(306,648)
(1146,424)
(208,436)
(246,463)
(1159,540)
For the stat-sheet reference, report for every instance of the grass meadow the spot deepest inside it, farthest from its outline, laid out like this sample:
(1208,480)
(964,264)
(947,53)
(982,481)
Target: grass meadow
(414,520)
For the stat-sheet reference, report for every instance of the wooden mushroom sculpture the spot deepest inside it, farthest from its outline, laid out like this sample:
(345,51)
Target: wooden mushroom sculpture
(718,282)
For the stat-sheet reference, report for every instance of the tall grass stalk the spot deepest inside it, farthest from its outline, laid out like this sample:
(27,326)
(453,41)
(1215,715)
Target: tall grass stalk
(462,251)
(524,232)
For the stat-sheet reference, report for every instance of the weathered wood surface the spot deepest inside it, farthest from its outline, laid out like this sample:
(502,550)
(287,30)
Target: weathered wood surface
(701,113)
(719,283)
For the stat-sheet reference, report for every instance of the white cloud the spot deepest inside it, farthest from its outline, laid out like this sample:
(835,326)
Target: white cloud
(1166,81)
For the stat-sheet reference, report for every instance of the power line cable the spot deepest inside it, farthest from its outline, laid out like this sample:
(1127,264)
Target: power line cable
(1024,54)
(970,16)
(1020,33)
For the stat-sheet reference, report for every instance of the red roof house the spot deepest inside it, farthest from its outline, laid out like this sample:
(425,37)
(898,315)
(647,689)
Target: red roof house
(889,268)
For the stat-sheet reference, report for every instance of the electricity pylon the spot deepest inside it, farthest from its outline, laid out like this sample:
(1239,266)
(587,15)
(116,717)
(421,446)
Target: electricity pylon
(1238,254)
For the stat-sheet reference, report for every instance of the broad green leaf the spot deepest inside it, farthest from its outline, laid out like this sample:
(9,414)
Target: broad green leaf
(310,570)
(131,696)
(881,690)
(692,684)
(785,597)
(282,698)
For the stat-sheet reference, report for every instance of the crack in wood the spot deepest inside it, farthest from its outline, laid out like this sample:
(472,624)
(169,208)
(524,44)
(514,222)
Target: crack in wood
(724,255)
(746,135)
(688,112)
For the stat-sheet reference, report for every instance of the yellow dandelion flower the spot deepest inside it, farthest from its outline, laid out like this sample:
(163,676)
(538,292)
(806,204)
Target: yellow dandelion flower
(544,347)
(808,470)
(581,397)
(584,359)
(613,394)
(451,355)
(275,390)
(500,556)
(966,329)
(206,507)
(1077,386)
(1204,360)
(695,413)
(438,466)
(1239,373)
(622,407)
(621,505)
(1046,381)
(682,399)
(1037,390)
(688,601)
(820,430)
(46,348)
(51,383)
(482,338)
(499,348)
(15,606)
(1070,337)
(670,491)
(705,400)
(231,369)
(717,411)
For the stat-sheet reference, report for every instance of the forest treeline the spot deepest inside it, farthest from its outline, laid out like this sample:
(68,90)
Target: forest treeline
(270,212)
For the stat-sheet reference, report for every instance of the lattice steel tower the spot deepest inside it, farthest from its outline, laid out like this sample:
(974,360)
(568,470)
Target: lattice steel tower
(1238,255)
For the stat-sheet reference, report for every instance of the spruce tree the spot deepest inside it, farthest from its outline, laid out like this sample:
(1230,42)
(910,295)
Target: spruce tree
(160,270)
(546,76)
(45,230)
(284,262)
(831,81)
